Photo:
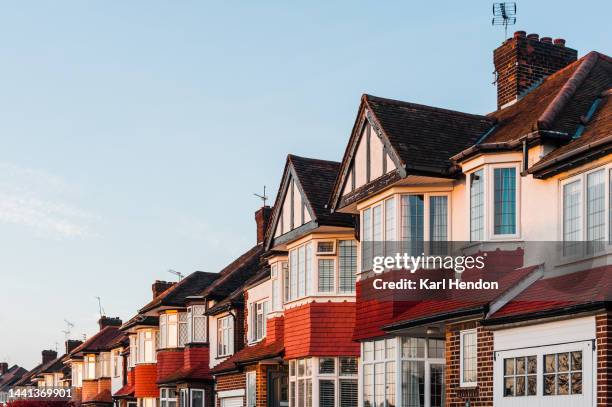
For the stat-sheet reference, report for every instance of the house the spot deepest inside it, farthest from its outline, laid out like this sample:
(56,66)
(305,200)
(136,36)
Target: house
(300,306)
(502,185)
(8,378)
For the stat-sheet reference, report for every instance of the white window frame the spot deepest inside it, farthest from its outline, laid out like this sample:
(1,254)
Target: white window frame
(165,400)
(89,367)
(194,391)
(196,312)
(146,346)
(462,334)
(184,399)
(254,313)
(251,379)
(582,178)
(490,200)
(333,252)
(221,329)
(115,362)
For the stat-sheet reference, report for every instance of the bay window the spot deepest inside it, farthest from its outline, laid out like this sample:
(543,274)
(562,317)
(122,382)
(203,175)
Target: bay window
(167,397)
(173,330)
(403,371)
(331,380)
(225,336)
(504,205)
(146,346)
(196,324)
(347,265)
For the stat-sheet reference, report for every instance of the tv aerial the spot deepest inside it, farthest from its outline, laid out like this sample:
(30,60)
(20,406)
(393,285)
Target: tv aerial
(100,309)
(504,14)
(69,326)
(263,197)
(176,273)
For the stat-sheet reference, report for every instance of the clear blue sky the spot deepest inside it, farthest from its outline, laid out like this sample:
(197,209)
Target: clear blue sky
(133,134)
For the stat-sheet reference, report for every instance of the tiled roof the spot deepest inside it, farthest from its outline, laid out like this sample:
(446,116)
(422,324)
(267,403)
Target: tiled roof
(459,302)
(11,376)
(198,372)
(560,293)
(104,396)
(125,391)
(248,354)
(237,296)
(234,274)
(425,137)
(176,295)
(140,320)
(26,379)
(100,342)
(53,366)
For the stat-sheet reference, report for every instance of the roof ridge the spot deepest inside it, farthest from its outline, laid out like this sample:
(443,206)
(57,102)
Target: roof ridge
(369,97)
(587,62)
(294,156)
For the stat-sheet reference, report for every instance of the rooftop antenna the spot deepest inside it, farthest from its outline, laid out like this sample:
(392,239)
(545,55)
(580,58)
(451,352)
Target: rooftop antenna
(176,273)
(100,309)
(504,14)
(69,326)
(263,197)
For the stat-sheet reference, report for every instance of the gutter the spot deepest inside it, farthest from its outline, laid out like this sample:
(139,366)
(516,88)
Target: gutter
(591,306)
(435,318)
(570,154)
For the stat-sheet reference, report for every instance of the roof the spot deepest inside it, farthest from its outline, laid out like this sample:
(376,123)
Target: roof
(140,320)
(26,379)
(53,366)
(234,274)
(559,295)
(102,341)
(237,297)
(126,391)
(199,372)
(454,303)
(104,396)
(178,293)
(11,376)
(315,180)
(261,350)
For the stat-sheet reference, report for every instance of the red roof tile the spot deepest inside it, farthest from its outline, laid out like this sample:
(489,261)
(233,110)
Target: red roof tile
(259,351)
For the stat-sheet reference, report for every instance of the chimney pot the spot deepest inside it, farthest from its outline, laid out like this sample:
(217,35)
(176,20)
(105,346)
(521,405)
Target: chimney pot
(262,219)
(105,321)
(547,40)
(559,42)
(160,286)
(3,368)
(48,355)
(520,34)
(72,344)
(533,37)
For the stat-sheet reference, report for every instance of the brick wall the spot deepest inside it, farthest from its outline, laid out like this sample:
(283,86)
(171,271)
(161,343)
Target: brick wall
(234,381)
(89,390)
(104,384)
(604,359)
(482,394)
(145,377)
(168,362)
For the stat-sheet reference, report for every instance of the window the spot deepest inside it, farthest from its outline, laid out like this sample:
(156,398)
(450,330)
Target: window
(438,223)
(133,350)
(563,373)
(167,397)
(103,365)
(195,330)
(347,265)
(77,374)
(146,346)
(300,274)
(504,205)
(596,211)
(259,312)
(251,393)
(326,247)
(116,366)
(275,286)
(412,224)
(197,398)
(520,376)
(286,287)
(572,218)
(336,380)
(184,397)
(225,336)
(468,358)
(477,206)
(147,402)
(326,275)
(390,226)
(89,367)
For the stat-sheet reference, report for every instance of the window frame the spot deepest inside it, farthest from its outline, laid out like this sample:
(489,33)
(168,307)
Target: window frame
(250,378)
(253,320)
(192,392)
(230,332)
(462,334)
(165,400)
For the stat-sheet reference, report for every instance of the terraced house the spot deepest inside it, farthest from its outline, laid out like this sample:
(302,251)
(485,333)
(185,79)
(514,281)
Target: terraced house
(296,321)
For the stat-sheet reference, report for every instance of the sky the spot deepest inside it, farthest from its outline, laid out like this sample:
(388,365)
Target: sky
(134,134)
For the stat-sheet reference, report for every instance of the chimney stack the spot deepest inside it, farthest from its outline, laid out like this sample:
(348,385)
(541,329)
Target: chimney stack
(72,344)
(523,61)
(159,287)
(48,356)
(3,368)
(105,321)
(262,218)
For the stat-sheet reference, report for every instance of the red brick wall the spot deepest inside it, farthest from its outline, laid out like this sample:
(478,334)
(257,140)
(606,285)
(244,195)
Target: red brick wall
(90,389)
(145,377)
(130,376)
(77,394)
(234,381)
(604,359)
(168,362)
(482,394)
(104,384)
(320,329)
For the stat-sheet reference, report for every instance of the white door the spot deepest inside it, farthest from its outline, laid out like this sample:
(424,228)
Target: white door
(232,402)
(545,376)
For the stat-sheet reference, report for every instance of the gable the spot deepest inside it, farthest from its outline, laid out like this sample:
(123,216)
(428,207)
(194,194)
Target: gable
(371,159)
(294,211)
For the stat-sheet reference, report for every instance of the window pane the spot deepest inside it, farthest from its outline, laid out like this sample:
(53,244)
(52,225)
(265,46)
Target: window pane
(468,357)
(327,365)
(504,190)
(412,224)
(347,264)
(413,384)
(368,386)
(572,218)
(293,267)
(435,348)
(390,219)
(379,384)
(301,271)
(366,255)
(477,206)
(596,211)
(576,383)
(437,385)
(348,366)
(348,393)
(327,395)
(390,384)
(413,348)
(326,275)
(438,218)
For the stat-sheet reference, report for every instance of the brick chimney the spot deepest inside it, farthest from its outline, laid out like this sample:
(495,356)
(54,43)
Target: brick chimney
(3,368)
(72,344)
(522,61)
(262,218)
(159,287)
(48,355)
(105,321)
